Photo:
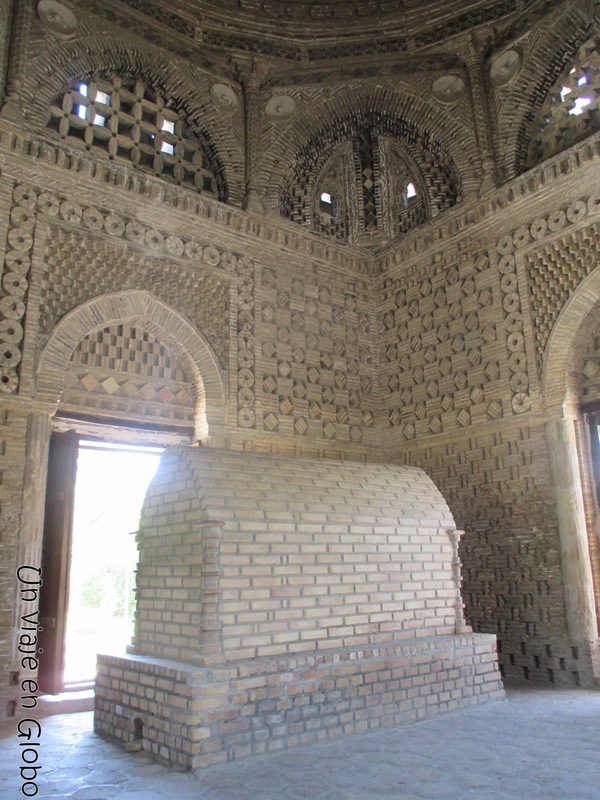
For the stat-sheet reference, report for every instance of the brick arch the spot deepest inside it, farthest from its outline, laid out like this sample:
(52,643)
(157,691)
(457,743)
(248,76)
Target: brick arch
(142,309)
(62,64)
(553,48)
(438,124)
(564,351)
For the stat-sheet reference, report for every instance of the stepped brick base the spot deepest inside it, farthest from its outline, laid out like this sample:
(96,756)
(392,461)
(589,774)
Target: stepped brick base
(191,716)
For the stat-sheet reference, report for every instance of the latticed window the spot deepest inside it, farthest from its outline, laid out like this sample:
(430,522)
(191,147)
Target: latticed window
(571,111)
(131,121)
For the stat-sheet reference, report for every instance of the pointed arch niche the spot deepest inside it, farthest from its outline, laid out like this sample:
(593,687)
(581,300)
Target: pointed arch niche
(139,310)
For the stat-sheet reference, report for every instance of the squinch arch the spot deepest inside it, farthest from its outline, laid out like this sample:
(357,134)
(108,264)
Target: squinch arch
(142,309)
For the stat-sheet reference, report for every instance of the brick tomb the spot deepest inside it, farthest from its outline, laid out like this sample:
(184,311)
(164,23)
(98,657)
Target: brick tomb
(283,601)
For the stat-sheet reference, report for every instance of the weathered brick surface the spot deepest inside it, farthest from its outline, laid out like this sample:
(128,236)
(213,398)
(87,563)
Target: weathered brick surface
(193,717)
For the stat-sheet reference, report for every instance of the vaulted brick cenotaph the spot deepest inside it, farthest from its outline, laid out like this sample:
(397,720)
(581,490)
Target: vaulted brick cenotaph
(284,601)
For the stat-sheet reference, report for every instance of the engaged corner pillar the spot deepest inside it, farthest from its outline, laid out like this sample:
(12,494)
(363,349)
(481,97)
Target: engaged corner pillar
(459,615)
(211,636)
(572,529)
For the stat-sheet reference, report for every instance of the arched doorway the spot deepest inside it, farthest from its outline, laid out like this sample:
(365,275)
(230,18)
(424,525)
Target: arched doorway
(130,374)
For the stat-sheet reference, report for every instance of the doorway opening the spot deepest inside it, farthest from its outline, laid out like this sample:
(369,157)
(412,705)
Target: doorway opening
(110,485)
(98,476)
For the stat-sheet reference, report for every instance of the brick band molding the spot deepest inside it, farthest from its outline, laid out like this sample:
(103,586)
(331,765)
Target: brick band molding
(142,309)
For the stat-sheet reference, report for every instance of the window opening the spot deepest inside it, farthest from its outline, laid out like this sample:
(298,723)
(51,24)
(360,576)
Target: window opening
(327,204)
(145,129)
(579,105)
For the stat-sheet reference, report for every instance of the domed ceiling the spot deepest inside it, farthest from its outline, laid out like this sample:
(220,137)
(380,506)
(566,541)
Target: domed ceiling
(316,30)
(406,23)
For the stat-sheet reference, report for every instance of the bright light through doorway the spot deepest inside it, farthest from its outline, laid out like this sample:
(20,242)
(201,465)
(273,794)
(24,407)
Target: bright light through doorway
(110,486)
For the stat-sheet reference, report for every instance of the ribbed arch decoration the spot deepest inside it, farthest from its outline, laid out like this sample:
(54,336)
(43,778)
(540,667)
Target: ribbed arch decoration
(359,161)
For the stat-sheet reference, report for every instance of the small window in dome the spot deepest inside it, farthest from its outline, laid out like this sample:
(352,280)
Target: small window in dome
(167,147)
(579,105)
(327,204)
(83,89)
(168,126)
(81,111)
(102,97)
(564,92)
(99,119)
(410,191)
(582,81)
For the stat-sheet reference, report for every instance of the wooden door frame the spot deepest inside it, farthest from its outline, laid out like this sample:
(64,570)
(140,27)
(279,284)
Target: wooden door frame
(56,558)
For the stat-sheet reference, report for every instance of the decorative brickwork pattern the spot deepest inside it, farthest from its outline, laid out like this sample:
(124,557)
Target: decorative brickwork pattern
(126,372)
(513,323)
(131,121)
(497,485)
(590,369)
(556,268)
(196,293)
(441,348)
(246,344)
(317,371)
(15,282)
(301,192)
(545,55)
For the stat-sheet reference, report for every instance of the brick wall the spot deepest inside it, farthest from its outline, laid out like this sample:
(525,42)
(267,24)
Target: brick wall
(314,555)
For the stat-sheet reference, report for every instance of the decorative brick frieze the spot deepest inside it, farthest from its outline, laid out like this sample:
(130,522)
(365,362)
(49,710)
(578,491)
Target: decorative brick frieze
(15,283)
